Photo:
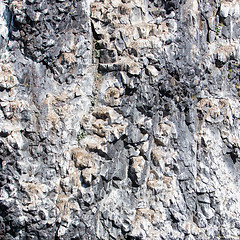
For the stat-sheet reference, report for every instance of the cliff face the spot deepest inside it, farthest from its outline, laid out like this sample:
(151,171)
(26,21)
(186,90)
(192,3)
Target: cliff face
(119,119)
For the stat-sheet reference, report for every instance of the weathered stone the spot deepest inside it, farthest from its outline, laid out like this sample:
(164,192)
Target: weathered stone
(108,56)
(134,134)
(137,170)
(119,119)
(151,71)
(82,158)
(224,11)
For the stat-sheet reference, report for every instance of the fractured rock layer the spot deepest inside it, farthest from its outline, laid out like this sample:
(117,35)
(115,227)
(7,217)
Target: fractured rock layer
(119,119)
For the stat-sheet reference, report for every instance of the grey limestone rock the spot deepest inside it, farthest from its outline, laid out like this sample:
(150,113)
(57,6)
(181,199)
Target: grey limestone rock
(119,119)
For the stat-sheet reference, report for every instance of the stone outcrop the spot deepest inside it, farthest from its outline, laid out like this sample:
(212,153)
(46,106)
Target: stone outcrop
(119,119)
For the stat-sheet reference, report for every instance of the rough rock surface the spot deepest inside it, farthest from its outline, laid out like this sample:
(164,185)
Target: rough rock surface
(119,119)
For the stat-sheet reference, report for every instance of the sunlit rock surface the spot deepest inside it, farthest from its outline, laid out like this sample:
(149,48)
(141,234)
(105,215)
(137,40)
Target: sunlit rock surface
(119,119)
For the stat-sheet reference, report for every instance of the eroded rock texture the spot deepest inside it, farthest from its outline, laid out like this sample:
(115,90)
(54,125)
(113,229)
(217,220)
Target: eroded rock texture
(119,119)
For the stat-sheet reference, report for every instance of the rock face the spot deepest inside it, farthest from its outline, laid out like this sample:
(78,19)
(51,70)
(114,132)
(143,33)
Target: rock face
(119,119)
